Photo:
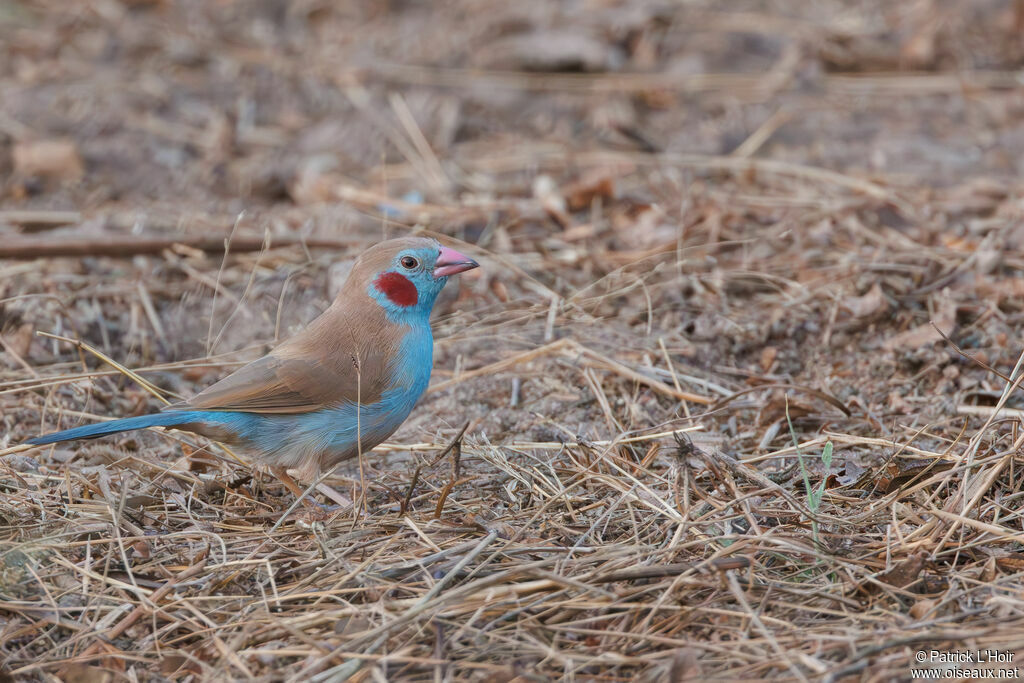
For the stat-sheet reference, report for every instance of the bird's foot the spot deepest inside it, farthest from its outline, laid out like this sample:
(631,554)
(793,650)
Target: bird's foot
(289,483)
(313,512)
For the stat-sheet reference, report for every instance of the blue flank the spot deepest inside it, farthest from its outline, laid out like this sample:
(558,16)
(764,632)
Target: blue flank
(294,440)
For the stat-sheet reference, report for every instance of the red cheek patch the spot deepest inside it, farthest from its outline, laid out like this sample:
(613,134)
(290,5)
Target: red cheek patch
(398,289)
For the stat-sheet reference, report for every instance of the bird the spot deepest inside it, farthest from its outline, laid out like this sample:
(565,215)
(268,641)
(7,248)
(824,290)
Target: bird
(336,389)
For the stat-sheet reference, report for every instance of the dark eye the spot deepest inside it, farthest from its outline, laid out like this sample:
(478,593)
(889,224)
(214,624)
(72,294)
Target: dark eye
(408,262)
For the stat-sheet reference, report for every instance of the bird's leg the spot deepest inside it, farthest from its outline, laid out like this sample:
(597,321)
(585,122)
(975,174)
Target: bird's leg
(293,486)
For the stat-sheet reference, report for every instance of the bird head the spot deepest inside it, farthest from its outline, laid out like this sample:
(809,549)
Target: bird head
(405,275)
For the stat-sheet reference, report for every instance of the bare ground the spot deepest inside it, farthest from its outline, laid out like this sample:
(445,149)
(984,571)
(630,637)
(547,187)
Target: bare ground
(704,234)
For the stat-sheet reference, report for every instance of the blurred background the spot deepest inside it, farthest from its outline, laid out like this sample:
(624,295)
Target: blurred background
(497,123)
(190,108)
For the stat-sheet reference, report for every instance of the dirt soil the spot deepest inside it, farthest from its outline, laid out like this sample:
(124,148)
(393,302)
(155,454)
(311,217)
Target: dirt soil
(705,234)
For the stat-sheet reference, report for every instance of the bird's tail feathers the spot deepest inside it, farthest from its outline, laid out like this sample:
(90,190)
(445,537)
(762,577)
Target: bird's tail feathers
(168,419)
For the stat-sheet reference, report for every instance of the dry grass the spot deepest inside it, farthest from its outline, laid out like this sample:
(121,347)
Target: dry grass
(656,321)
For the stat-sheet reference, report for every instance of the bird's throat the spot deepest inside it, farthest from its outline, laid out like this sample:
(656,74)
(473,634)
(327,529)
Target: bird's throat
(398,289)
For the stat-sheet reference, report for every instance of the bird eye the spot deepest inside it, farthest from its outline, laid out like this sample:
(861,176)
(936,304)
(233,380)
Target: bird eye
(408,262)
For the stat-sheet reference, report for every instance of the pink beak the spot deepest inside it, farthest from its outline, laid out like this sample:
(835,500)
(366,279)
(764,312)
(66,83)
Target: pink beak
(451,262)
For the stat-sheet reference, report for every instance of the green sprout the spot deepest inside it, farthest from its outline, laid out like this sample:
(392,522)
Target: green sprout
(813,494)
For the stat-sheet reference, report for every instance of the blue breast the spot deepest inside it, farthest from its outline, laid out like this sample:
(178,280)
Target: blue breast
(410,376)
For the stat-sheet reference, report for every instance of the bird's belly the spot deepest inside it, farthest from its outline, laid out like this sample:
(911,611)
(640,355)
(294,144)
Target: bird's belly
(347,429)
(321,439)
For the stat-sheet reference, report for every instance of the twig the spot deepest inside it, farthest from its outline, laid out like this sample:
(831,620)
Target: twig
(126,622)
(117,245)
(79,344)
(381,633)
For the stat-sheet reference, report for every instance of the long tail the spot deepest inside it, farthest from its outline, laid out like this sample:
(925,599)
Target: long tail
(168,419)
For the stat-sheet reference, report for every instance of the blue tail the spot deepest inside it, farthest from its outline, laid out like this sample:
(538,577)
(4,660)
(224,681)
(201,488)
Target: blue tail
(92,431)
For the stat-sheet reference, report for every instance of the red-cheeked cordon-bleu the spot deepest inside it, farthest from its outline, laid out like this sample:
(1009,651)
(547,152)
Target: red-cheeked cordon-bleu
(341,386)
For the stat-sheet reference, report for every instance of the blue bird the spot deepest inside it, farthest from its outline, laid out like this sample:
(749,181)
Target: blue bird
(340,387)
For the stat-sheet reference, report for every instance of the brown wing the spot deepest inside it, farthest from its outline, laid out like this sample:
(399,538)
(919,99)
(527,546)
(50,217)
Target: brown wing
(324,365)
(272,385)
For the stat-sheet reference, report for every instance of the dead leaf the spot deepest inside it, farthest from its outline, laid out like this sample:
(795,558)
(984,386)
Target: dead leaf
(685,666)
(643,226)
(913,338)
(21,463)
(348,626)
(21,340)
(918,50)
(852,472)
(315,181)
(916,337)
(142,549)
(500,290)
(777,407)
(83,673)
(172,664)
(57,159)
(867,305)
(896,475)
(920,609)
(195,373)
(551,200)
(999,289)
(578,233)
(198,461)
(905,572)
(1014,562)
(597,184)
